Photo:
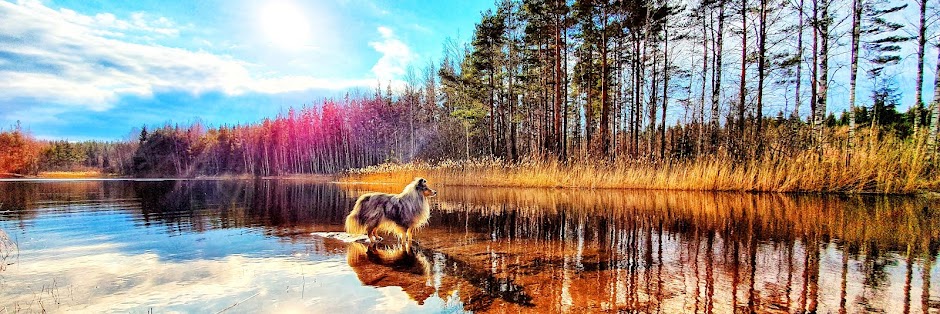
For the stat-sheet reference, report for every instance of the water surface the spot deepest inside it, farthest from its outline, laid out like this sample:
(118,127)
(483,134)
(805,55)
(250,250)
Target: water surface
(276,246)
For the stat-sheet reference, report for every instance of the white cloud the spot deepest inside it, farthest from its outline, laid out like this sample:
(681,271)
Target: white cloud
(395,56)
(68,279)
(64,57)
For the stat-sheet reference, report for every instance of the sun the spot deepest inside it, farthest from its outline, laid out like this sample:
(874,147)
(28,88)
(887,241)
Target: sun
(284,24)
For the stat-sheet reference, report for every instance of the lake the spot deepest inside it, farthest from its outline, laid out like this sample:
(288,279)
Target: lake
(276,246)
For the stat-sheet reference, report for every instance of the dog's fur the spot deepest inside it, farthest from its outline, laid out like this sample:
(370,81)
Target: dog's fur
(401,214)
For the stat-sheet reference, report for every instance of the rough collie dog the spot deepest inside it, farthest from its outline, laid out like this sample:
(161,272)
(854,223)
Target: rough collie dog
(400,214)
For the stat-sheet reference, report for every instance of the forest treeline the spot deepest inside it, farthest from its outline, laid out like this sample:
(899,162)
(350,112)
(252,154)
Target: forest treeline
(327,138)
(590,82)
(660,80)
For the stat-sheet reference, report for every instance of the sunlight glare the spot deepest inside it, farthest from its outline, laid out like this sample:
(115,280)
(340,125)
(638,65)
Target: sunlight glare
(284,25)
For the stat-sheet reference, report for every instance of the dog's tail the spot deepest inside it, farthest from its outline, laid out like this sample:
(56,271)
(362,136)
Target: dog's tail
(352,220)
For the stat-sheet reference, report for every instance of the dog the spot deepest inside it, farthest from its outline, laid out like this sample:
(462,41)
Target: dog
(401,214)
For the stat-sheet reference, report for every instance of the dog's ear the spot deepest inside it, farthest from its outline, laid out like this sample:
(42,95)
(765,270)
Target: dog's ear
(422,181)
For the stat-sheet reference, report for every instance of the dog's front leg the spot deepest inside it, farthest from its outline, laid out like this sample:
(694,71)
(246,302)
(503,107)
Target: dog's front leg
(372,236)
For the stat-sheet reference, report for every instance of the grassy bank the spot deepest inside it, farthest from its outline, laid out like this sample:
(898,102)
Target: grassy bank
(879,168)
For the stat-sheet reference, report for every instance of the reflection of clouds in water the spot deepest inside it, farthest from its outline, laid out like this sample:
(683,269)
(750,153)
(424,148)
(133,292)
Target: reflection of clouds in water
(393,300)
(107,280)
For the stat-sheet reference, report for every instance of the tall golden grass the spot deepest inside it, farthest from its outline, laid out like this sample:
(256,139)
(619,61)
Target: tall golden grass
(79,174)
(886,166)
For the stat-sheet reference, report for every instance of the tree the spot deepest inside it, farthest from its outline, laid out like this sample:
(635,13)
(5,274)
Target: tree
(716,76)
(885,100)
(821,28)
(487,41)
(743,78)
(411,98)
(921,43)
(19,153)
(702,13)
(799,58)
(761,72)
(880,39)
(64,155)
(856,37)
(604,142)
(510,93)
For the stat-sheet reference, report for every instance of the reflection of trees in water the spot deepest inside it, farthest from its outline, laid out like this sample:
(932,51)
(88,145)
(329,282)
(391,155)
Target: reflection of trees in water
(243,203)
(747,251)
(16,200)
(885,223)
(23,200)
(188,205)
(874,267)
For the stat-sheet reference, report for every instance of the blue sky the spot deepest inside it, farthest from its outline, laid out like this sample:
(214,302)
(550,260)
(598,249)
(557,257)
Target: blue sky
(94,69)
(91,69)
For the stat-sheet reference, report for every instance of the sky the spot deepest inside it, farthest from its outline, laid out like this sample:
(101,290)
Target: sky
(95,70)
(99,70)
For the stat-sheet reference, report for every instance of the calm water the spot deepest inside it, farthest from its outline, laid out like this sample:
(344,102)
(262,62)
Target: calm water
(274,246)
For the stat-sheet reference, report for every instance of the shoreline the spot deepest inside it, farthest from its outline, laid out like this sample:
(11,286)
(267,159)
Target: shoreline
(700,175)
(927,193)
(476,178)
(115,177)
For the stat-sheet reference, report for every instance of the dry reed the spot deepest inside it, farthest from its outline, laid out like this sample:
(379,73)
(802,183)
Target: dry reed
(887,166)
(71,174)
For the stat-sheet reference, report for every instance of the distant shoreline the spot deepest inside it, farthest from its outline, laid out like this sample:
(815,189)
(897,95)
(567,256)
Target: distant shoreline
(90,176)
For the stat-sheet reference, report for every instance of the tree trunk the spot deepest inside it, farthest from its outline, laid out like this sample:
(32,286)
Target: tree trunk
(492,103)
(466,128)
(921,42)
(617,129)
(605,107)
(513,155)
(637,97)
(556,133)
(856,37)
(411,121)
(564,94)
(654,100)
(761,73)
(716,78)
(799,61)
(814,85)
(640,86)
(743,78)
(662,126)
(589,106)
(701,117)
(823,72)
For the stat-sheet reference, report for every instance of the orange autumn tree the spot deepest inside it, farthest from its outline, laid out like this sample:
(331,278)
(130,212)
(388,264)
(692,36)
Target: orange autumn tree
(19,153)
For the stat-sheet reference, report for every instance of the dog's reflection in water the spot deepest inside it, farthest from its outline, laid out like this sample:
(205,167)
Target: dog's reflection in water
(381,265)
